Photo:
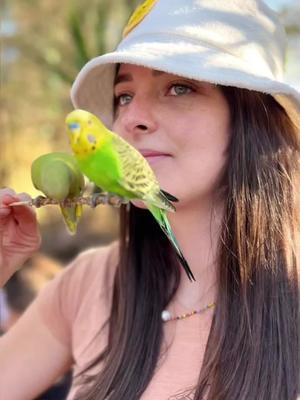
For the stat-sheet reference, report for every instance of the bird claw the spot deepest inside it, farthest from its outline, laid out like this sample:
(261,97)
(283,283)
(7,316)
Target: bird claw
(109,198)
(116,201)
(96,198)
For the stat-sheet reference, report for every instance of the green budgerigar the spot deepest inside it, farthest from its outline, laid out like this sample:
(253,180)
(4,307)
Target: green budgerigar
(58,176)
(117,167)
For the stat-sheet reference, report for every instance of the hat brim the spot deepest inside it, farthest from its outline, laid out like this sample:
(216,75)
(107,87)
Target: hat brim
(93,87)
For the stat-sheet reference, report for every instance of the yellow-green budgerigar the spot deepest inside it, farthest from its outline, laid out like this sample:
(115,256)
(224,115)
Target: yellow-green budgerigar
(117,167)
(58,176)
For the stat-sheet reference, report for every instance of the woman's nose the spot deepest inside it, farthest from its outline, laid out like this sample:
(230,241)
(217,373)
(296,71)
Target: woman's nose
(139,118)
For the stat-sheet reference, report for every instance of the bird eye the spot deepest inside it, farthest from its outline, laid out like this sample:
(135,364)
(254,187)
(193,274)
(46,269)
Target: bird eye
(73,126)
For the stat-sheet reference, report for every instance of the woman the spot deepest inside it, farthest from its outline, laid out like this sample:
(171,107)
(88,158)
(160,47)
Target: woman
(197,91)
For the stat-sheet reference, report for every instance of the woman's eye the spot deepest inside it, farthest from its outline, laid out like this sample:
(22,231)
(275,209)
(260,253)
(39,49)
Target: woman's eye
(123,99)
(178,90)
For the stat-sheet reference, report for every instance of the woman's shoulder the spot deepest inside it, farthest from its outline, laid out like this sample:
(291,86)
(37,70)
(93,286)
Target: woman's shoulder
(87,280)
(95,259)
(104,254)
(94,266)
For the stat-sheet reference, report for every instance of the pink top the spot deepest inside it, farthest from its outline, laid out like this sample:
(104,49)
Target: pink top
(76,303)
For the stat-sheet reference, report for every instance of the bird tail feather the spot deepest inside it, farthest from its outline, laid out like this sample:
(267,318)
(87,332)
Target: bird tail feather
(169,196)
(161,218)
(71,217)
(160,201)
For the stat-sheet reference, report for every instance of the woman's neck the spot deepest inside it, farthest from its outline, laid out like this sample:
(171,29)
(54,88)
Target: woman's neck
(197,232)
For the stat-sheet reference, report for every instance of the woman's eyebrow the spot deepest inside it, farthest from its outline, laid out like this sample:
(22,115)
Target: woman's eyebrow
(128,77)
(122,78)
(156,72)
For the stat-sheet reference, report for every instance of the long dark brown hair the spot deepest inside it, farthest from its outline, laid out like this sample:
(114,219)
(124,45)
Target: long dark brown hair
(253,347)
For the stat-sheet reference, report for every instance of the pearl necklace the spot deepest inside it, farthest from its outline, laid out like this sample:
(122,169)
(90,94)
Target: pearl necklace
(167,316)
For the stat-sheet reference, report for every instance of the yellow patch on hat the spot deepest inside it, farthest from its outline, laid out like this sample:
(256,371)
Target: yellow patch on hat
(138,15)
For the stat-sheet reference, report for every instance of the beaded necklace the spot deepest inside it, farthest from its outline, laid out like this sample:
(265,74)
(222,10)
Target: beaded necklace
(167,316)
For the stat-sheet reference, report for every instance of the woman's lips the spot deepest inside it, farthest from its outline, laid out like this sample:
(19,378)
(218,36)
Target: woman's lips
(153,156)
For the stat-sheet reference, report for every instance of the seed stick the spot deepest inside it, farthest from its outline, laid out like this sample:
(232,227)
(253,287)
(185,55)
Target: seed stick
(91,201)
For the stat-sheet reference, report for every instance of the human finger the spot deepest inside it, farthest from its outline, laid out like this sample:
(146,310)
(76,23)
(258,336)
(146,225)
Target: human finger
(6,190)
(7,196)
(23,215)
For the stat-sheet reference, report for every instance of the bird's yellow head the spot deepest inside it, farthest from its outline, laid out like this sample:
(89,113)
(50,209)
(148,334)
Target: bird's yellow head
(86,132)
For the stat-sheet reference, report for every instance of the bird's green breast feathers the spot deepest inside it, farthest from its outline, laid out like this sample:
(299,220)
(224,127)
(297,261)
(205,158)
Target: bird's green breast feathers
(102,167)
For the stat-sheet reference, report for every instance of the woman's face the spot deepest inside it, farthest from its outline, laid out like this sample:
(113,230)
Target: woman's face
(181,126)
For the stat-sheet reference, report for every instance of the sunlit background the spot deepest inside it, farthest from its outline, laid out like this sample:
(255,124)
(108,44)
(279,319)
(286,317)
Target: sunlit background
(44,43)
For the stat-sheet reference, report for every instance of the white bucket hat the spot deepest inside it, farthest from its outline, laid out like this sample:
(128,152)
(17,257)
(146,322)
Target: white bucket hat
(238,43)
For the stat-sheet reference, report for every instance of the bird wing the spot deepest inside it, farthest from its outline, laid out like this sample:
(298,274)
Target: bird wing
(137,176)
